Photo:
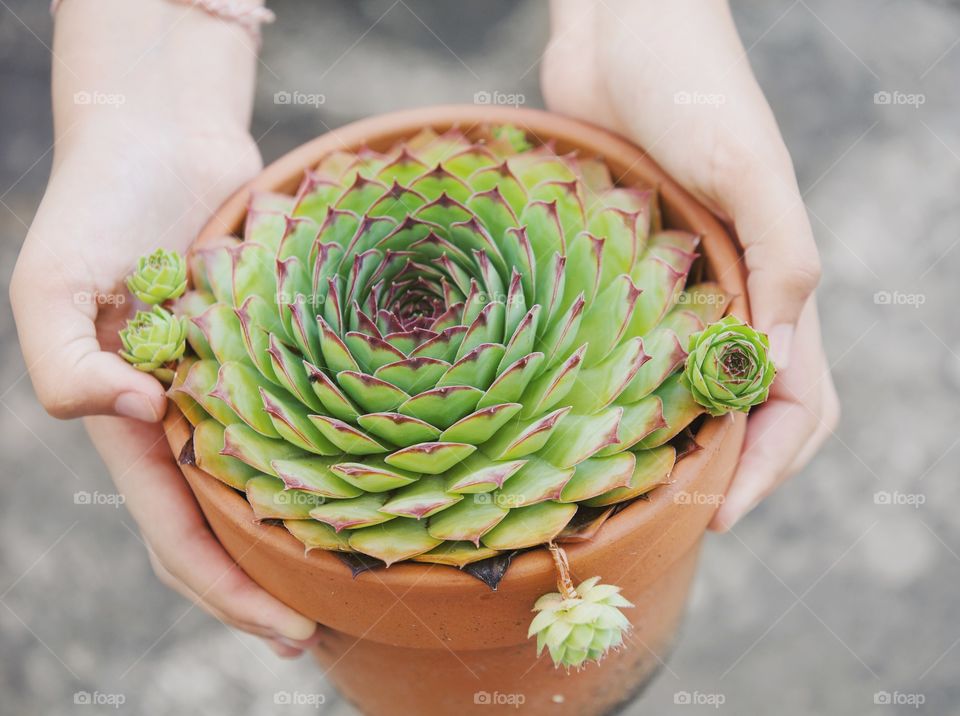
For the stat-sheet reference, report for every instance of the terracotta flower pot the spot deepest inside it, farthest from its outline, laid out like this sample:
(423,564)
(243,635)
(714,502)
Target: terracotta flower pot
(429,639)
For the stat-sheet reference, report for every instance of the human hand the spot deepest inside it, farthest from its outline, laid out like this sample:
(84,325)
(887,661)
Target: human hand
(674,78)
(143,171)
(112,198)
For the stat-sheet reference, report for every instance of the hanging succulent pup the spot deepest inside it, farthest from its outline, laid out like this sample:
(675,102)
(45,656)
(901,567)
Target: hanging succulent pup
(442,352)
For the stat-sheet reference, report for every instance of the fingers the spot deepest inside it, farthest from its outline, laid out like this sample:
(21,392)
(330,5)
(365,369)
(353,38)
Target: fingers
(71,374)
(784,433)
(192,560)
(281,646)
(775,435)
(829,417)
(781,256)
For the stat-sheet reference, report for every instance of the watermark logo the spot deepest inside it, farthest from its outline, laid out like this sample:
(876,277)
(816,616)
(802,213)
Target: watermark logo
(703,99)
(298,497)
(299,698)
(910,499)
(99,698)
(314,300)
(97,498)
(899,698)
(95,298)
(507,502)
(512,99)
(699,698)
(308,99)
(99,99)
(896,97)
(485,698)
(697,498)
(699,298)
(899,298)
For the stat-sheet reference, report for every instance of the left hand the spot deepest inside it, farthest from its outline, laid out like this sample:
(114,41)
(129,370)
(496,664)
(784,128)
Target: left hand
(674,78)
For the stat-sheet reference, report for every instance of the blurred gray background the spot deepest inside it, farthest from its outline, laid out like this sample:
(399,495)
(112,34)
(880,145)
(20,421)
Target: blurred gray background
(823,598)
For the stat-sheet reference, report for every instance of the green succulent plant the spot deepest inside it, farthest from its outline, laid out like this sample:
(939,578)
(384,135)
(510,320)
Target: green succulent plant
(578,624)
(159,277)
(582,625)
(729,367)
(153,341)
(441,352)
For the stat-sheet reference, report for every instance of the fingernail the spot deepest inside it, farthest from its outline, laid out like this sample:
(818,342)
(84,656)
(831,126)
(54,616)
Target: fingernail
(294,636)
(781,343)
(292,643)
(137,406)
(282,649)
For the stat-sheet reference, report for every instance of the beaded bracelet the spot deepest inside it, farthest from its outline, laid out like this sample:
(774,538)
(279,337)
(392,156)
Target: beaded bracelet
(249,14)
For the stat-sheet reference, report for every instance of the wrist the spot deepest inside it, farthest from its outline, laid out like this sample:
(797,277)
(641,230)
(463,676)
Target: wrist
(153,59)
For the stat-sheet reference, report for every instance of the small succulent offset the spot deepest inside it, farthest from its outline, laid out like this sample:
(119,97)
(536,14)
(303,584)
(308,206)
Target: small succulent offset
(581,624)
(153,341)
(443,351)
(728,367)
(159,277)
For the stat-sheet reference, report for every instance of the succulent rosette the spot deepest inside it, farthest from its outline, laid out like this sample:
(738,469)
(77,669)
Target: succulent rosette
(729,366)
(153,341)
(580,625)
(159,277)
(442,351)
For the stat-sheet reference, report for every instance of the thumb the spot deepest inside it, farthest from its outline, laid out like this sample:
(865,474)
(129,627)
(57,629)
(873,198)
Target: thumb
(780,254)
(72,375)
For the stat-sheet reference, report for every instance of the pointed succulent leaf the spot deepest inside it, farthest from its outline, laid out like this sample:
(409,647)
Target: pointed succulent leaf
(537,481)
(207,444)
(318,535)
(199,382)
(313,474)
(373,475)
(456,554)
(371,394)
(355,513)
(346,437)
(238,386)
(582,436)
(398,429)
(529,526)
(271,501)
(420,499)
(481,425)
(442,407)
(430,458)
(638,420)
(478,473)
(468,520)
(680,409)
(599,475)
(291,420)
(524,437)
(652,468)
(394,540)
(512,381)
(249,446)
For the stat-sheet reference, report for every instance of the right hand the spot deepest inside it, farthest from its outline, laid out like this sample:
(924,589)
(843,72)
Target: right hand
(117,193)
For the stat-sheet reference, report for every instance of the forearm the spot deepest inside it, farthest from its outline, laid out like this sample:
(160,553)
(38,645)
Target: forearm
(149,63)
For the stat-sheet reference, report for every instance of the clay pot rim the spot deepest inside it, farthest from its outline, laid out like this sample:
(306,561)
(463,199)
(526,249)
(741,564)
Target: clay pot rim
(287,171)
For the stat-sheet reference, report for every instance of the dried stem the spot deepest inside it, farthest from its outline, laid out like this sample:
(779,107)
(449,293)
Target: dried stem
(562,564)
